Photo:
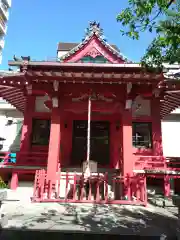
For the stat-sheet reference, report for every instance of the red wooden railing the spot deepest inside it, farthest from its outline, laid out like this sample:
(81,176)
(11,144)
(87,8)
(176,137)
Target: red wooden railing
(5,158)
(24,158)
(150,162)
(39,158)
(32,158)
(98,188)
(157,162)
(173,163)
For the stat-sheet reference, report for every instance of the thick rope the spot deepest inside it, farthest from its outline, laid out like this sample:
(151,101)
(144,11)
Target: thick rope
(87,170)
(89,130)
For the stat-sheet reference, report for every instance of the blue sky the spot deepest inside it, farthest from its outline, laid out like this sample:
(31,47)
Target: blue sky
(36,26)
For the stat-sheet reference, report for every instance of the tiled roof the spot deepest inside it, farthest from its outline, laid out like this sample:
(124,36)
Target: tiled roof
(94,30)
(86,40)
(66,46)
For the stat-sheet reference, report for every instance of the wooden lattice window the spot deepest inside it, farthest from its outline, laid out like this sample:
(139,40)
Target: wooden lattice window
(41,132)
(142,135)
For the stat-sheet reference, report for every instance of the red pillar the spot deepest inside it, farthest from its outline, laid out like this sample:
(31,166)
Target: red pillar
(112,145)
(167,187)
(54,143)
(25,137)
(157,138)
(128,160)
(115,145)
(156,127)
(27,124)
(67,142)
(14,181)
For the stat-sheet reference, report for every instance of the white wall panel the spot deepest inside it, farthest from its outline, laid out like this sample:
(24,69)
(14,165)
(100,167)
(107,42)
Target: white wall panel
(171,137)
(39,104)
(141,107)
(61,53)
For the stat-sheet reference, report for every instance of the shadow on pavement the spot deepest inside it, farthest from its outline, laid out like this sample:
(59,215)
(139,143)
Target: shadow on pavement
(8,234)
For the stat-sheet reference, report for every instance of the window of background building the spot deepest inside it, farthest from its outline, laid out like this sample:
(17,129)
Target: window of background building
(142,135)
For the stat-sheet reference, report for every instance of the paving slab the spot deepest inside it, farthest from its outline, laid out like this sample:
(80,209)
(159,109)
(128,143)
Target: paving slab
(90,218)
(54,235)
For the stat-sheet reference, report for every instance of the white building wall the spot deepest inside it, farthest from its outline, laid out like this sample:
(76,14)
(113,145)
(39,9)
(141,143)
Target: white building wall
(4,17)
(39,104)
(171,135)
(10,132)
(176,111)
(61,53)
(12,142)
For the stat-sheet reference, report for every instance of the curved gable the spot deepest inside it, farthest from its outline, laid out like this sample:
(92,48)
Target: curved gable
(94,48)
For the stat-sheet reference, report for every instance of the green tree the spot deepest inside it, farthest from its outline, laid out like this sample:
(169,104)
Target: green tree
(159,16)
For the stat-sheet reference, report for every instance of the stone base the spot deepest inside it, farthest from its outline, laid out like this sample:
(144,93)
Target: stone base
(3,221)
(3,194)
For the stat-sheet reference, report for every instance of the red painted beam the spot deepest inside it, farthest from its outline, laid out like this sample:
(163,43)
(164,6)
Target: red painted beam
(170,105)
(15,97)
(165,111)
(96,77)
(9,90)
(172,97)
(13,94)
(17,102)
(170,101)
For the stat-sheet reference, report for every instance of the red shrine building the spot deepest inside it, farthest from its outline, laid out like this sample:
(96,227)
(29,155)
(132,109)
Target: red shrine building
(92,106)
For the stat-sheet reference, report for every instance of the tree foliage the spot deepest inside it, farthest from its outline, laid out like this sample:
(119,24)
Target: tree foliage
(159,16)
(2,183)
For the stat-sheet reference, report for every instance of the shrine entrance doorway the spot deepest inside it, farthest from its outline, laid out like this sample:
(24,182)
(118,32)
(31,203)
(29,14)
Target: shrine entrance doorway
(99,143)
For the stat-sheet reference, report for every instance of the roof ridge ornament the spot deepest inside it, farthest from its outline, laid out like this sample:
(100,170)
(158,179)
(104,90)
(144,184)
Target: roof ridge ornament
(94,28)
(25,61)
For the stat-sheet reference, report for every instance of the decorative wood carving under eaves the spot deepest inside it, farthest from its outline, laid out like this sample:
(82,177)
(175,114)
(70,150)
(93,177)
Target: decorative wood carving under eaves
(93,53)
(94,97)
